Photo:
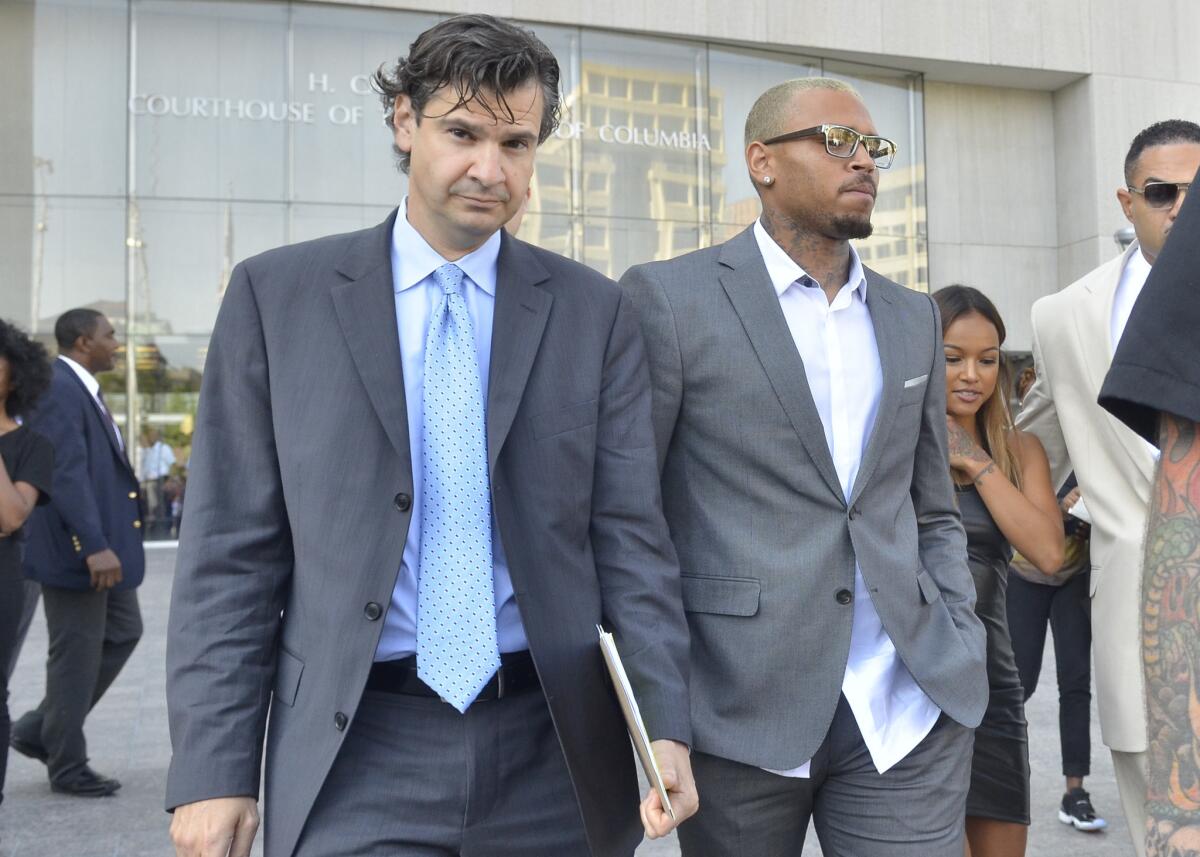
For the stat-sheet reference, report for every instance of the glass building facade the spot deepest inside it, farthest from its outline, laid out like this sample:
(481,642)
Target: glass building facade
(148,145)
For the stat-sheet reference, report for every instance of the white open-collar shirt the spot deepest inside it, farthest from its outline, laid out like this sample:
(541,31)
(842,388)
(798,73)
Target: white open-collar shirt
(836,342)
(1129,288)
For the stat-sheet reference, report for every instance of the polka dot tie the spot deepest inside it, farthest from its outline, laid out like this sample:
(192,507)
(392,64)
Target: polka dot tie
(457,649)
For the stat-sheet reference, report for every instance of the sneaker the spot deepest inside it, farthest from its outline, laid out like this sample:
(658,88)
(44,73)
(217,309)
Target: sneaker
(1077,810)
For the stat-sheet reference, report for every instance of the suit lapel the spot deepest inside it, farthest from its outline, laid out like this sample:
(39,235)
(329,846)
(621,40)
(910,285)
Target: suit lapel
(891,359)
(1093,322)
(748,285)
(108,427)
(517,326)
(1093,327)
(366,311)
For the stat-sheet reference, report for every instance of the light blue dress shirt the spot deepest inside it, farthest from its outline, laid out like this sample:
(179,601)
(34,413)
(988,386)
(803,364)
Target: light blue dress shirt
(416,291)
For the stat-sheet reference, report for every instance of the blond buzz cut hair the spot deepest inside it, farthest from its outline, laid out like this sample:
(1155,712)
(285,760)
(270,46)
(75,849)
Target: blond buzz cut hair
(769,114)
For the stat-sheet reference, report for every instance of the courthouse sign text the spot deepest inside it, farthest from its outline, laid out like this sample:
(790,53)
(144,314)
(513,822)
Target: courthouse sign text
(161,105)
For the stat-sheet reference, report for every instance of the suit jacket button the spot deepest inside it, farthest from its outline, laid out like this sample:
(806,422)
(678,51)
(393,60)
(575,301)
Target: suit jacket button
(340,721)
(844,596)
(137,525)
(132,495)
(372,611)
(402,502)
(854,512)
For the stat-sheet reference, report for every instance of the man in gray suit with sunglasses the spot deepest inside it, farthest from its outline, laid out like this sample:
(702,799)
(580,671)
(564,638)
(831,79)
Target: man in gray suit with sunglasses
(837,666)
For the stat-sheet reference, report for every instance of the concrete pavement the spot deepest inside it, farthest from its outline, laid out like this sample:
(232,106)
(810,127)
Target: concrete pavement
(128,739)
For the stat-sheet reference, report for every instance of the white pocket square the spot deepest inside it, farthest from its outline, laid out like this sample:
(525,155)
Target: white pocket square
(914,382)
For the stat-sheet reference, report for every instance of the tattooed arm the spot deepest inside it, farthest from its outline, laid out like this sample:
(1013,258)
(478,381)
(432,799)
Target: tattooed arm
(1171,644)
(968,460)
(1028,516)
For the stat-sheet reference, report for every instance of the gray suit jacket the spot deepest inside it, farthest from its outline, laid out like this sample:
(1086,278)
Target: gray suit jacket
(291,528)
(764,535)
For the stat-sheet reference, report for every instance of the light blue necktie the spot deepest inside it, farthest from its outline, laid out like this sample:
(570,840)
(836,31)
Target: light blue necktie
(457,648)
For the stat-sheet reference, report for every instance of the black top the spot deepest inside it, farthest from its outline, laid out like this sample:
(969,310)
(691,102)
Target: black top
(1157,364)
(988,556)
(1000,760)
(28,457)
(986,545)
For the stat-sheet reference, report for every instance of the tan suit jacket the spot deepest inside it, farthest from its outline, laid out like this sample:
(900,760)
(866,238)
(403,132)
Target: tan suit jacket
(1072,349)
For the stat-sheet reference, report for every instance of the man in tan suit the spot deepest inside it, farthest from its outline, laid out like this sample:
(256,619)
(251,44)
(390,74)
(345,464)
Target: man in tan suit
(1074,335)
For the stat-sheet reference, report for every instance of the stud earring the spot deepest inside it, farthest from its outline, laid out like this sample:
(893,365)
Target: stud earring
(768,181)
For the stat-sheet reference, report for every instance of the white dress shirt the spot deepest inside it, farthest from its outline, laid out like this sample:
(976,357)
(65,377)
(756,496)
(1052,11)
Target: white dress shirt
(836,341)
(1133,277)
(416,291)
(93,387)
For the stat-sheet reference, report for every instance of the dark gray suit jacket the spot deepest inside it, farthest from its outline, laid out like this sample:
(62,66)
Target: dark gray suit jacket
(291,528)
(764,535)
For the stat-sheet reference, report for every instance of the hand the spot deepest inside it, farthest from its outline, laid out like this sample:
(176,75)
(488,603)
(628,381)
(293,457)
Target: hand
(220,827)
(676,769)
(966,456)
(105,569)
(1070,500)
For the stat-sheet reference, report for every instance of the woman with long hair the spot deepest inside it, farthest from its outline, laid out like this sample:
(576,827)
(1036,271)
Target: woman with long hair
(26,471)
(1002,482)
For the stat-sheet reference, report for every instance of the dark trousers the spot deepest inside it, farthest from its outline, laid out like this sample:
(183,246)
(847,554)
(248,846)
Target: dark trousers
(33,594)
(414,778)
(12,599)
(914,809)
(1067,609)
(92,635)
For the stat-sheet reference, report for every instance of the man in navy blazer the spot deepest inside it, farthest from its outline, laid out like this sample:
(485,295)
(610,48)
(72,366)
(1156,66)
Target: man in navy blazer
(85,548)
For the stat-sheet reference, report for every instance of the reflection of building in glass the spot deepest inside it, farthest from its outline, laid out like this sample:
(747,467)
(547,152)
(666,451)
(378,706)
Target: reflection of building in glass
(643,136)
(897,249)
(116,312)
(147,221)
(743,212)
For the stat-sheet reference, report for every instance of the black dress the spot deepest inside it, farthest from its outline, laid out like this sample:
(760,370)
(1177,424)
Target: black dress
(1000,765)
(28,457)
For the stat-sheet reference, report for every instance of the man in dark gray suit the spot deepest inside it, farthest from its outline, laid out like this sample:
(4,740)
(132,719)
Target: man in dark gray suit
(837,665)
(423,472)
